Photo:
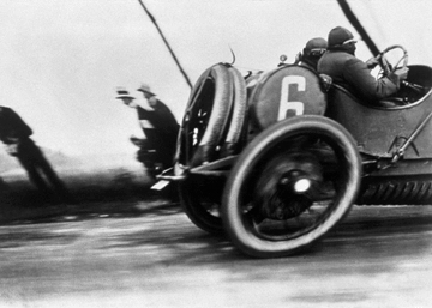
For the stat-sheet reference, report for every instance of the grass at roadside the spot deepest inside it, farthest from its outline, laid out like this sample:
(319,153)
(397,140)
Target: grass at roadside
(107,191)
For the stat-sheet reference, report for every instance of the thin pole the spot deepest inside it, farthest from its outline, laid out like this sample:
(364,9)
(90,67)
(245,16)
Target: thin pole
(355,22)
(153,20)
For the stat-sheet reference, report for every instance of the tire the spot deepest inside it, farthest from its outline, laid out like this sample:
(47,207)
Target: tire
(206,116)
(204,127)
(231,145)
(246,218)
(200,199)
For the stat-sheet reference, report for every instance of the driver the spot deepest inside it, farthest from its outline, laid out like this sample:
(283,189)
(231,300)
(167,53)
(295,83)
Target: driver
(345,69)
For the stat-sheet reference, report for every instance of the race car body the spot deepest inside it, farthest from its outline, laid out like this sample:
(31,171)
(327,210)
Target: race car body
(278,159)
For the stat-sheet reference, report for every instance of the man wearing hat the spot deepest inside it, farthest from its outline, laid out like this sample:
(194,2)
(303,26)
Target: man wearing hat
(312,52)
(160,129)
(340,63)
(126,98)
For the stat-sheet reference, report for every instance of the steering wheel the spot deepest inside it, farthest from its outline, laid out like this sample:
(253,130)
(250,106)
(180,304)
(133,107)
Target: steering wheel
(385,65)
(387,69)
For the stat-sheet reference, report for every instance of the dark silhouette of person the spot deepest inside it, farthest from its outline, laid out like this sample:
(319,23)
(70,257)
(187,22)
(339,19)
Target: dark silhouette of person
(159,127)
(15,134)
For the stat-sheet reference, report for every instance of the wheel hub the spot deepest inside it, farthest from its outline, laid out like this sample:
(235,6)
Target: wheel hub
(296,181)
(286,186)
(302,185)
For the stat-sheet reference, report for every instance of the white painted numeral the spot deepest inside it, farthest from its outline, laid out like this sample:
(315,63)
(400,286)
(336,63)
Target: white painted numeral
(285,105)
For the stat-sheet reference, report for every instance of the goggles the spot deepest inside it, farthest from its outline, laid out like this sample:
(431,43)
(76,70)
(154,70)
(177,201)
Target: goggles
(317,51)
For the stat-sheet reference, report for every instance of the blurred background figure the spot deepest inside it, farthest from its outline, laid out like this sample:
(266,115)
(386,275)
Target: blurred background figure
(312,52)
(15,134)
(160,128)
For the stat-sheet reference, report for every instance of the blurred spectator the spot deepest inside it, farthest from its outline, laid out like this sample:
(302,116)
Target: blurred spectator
(15,134)
(160,130)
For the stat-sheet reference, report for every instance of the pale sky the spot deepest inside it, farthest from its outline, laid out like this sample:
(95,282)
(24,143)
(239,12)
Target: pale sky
(61,61)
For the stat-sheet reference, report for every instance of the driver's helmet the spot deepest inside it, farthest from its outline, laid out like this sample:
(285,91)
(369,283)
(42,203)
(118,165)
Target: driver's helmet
(315,47)
(339,37)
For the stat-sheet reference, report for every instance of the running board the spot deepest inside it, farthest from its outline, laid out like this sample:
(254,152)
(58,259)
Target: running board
(179,173)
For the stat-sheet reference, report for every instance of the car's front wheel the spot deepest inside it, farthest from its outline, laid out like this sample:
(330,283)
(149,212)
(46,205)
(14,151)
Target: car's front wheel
(290,186)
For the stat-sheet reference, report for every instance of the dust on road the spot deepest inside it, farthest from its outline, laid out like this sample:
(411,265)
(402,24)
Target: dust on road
(379,257)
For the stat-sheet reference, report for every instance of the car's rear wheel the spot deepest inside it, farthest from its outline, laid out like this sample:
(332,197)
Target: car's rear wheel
(200,198)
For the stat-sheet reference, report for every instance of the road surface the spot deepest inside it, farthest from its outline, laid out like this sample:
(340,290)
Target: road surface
(379,257)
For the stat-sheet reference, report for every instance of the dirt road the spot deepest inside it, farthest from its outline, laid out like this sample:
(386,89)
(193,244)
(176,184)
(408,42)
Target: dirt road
(379,257)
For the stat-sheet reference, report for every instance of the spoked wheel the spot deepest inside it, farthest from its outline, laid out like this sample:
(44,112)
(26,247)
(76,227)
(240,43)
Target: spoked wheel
(201,200)
(206,125)
(290,186)
(384,64)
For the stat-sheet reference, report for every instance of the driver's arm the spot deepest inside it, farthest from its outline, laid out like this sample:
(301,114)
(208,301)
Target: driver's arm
(372,63)
(399,75)
(358,75)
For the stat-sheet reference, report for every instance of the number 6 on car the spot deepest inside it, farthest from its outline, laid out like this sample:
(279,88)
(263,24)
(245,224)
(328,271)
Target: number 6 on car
(285,105)
(286,92)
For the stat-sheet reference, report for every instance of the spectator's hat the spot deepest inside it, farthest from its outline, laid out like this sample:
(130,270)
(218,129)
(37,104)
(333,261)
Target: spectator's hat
(145,88)
(124,94)
(338,37)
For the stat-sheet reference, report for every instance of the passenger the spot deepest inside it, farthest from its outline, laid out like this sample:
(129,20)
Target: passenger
(312,52)
(340,63)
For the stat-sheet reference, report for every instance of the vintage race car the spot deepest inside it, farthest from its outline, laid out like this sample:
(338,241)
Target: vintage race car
(278,159)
